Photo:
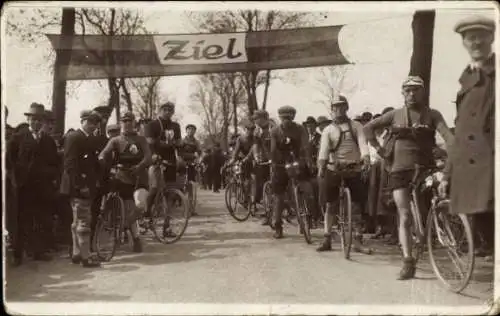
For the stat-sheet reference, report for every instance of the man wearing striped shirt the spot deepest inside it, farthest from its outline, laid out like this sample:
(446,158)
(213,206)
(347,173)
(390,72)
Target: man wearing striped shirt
(343,141)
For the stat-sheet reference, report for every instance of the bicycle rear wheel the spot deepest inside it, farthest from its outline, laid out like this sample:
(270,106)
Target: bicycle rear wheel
(303,214)
(345,222)
(109,228)
(450,243)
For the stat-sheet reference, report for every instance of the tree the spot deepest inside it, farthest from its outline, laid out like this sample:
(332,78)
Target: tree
(331,82)
(59,85)
(111,22)
(250,21)
(423,38)
(148,99)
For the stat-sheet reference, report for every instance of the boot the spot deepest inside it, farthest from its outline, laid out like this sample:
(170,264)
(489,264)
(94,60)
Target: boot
(137,245)
(326,245)
(408,270)
(278,233)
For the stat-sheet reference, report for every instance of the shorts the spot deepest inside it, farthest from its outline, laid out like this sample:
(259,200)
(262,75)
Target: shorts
(329,187)
(156,177)
(280,179)
(400,179)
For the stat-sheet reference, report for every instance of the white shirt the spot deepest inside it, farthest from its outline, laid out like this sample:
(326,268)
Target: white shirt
(331,136)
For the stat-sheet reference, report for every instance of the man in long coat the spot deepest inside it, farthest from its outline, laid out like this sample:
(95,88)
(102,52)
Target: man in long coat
(33,155)
(471,162)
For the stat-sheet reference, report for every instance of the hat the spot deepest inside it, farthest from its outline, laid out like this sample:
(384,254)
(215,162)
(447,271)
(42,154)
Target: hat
(413,81)
(323,120)
(246,123)
(310,120)
(103,110)
(49,116)
(190,126)
(260,114)
(366,116)
(113,127)
(127,116)
(287,111)
(387,109)
(36,109)
(90,115)
(475,22)
(168,105)
(339,100)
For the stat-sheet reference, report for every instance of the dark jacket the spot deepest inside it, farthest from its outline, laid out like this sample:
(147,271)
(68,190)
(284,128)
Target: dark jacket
(33,162)
(81,169)
(471,161)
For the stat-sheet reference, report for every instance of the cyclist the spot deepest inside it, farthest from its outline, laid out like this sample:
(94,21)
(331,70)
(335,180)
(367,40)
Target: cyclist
(286,138)
(132,152)
(411,142)
(163,136)
(190,151)
(260,153)
(341,141)
(243,148)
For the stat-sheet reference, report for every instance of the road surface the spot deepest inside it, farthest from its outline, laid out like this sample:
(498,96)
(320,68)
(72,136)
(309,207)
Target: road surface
(220,260)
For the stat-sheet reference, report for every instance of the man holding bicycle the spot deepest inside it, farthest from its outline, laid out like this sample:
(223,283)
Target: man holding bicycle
(288,142)
(260,153)
(243,148)
(342,142)
(190,150)
(132,156)
(163,136)
(411,143)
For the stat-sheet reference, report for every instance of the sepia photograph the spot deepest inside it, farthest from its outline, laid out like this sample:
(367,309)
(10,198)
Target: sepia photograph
(249,158)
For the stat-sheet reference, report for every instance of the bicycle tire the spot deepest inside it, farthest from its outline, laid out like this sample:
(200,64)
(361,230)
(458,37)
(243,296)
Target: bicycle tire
(345,209)
(190,196)
(417,245)
(303,215)
(195,195)
(267,199)
(116,219)
(238,191)
(184,220)
(456,288)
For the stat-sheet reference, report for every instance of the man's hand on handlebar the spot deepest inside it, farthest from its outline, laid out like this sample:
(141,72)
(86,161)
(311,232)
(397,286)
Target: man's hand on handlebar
(443,189)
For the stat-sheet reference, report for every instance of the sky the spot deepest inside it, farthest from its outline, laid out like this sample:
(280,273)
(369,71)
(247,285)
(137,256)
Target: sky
(378,41)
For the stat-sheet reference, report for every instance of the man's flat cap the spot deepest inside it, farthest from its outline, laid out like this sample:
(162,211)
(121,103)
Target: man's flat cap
(260,114)
(90,115)
(475,22)
(413,81)
(287,111)
(339,100)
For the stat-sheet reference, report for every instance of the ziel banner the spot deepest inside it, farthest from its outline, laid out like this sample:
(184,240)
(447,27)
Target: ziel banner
(100,57)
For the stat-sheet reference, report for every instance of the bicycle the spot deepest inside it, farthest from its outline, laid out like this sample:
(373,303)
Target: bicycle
(238,191)
(440,228)
(190,188)
(253,179)
(344,217)
(170,207)
(298,198)
(111,219)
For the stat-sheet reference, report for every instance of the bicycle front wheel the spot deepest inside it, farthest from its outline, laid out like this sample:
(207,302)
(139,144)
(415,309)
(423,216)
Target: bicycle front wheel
(303,214)
(170,216)
(109,228)
(267,199)
(345,222)
(451,247)
(238,201)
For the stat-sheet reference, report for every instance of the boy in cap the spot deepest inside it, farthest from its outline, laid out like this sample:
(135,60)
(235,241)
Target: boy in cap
(33,155)
(132,152)
(164,137)
(471,163)
(412,131)
(190,151)
(287,138)
(343,141)
(243,149)
(79,182)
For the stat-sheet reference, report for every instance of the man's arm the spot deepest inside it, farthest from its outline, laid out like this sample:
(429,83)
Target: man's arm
(324,148)
(274,148)
(71,157)
(147,160)
(237,149)
(362,142)
(448,138)
(108,150)
(377,124)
